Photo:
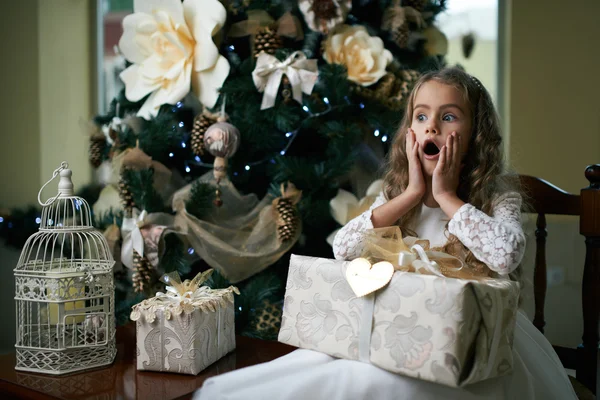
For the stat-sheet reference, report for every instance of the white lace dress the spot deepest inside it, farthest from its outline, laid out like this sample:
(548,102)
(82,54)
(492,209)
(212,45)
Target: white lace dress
(304,374)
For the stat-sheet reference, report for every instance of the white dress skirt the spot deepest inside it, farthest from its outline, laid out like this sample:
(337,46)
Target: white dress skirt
(310,375)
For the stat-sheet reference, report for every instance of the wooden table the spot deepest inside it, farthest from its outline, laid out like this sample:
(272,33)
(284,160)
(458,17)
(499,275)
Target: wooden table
(123,381)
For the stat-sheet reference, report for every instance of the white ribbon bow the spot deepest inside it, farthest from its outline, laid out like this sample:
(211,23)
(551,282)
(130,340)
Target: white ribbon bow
(406,259)
(133,239)
(189,296)
(301,72)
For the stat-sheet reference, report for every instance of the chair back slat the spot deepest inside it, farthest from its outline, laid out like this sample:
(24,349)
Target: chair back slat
(543,198)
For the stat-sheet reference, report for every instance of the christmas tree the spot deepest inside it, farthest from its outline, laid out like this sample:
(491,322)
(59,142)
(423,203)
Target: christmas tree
(250,98)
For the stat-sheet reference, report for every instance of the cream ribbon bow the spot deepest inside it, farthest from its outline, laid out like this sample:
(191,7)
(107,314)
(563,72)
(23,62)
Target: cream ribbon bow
(419,258)
(132,236)
(267,74)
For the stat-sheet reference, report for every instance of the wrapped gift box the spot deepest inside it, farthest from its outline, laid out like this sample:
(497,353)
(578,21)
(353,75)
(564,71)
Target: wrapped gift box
(451,331)
(184,333)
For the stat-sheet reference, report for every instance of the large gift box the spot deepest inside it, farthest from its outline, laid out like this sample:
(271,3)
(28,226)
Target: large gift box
(451,331)
(185,329)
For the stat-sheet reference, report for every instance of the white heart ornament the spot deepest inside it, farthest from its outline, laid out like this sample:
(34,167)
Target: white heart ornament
(365,278)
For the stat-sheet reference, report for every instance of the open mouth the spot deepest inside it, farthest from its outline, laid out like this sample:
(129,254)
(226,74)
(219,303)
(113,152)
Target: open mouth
(431,150)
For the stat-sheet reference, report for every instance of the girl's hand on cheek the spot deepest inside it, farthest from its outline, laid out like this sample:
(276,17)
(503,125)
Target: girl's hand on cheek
(447,171)
(416,182)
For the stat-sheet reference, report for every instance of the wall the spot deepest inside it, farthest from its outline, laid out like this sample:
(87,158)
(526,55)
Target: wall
(47,91)
(552,119)
(554,89)
(19,102)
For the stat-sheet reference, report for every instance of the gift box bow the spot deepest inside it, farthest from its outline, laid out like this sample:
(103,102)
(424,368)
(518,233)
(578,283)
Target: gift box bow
(386,251)
(184,296)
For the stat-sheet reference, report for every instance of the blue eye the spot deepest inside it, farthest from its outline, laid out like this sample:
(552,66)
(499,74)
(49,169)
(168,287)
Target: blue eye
(449,118)
(421,117)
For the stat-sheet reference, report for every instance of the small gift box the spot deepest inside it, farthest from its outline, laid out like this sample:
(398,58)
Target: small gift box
(186,329)
(407,317)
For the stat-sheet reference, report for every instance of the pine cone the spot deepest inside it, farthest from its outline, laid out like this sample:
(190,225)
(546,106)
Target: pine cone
(266,40)
(402,88)
(96,150)
(141,273)
(126,196)
(269,317)
(201,124)
(400,35)
(418,5)
(287,219)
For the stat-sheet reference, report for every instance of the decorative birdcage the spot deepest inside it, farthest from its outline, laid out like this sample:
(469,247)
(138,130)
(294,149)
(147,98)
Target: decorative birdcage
(64,289)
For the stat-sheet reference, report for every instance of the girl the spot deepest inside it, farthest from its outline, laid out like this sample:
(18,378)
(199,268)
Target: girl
(444,183)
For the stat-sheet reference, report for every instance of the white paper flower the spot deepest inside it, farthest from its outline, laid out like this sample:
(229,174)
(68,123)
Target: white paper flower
(171,47)
(363,55)
(345,206)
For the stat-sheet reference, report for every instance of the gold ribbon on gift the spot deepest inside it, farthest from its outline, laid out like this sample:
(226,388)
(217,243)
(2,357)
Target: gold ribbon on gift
(184,296)
(412,254)
(288,25)
(301,72)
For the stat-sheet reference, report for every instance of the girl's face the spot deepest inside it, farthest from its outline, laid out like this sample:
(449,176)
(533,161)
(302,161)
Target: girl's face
(439,110)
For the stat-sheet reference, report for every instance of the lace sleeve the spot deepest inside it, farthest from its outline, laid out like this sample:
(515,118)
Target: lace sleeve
(498,241)
(348,242)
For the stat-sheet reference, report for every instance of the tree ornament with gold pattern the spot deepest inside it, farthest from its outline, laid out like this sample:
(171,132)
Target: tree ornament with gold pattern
(222,140)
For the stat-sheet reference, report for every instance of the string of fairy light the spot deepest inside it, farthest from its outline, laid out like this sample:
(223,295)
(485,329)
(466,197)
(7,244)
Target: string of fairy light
(291,135)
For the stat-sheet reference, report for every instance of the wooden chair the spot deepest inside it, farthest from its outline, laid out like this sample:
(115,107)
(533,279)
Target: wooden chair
(545,198)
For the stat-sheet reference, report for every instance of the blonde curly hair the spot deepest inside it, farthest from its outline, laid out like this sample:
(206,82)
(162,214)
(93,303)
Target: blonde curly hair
(483,177)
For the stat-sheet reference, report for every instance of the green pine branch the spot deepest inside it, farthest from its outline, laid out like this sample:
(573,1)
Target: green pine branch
(200,202)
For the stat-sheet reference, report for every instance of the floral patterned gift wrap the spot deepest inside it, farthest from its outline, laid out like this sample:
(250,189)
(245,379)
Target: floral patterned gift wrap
(186,329)
(450,331)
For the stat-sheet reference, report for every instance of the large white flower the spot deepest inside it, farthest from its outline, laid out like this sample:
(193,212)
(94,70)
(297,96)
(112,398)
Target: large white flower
(171,47)
(345,206)
(363,55)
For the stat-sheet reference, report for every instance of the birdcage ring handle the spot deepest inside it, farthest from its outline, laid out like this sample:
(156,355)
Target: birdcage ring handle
(63,165)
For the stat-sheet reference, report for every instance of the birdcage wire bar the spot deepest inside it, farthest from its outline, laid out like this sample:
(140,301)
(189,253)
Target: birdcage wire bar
(64,291)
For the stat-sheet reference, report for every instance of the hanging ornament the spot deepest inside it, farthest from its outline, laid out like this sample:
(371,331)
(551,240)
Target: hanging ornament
(126,196)
(222,140)
(96,151)
(396,21)
(267,40)
(468,44)
(142,276)
(436,43)
(287,219)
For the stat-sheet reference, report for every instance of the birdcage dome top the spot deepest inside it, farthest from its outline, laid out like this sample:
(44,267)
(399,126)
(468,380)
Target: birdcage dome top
(66,241)
(65,210)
